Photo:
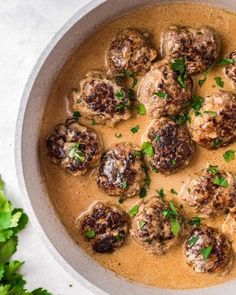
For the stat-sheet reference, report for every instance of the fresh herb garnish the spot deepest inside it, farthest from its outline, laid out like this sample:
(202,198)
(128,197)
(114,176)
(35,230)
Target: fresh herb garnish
(76,115)
(181,119)
(143,193)
(173,191)
(217,143)
(195,221)
(213,114)
(93,122)
(229,155)
(135,129)
(155,170)
(147,149)
(219,82)
(179,66)
(201,82)
(142,224)
(120,94)
(173,162)
(132,93)
(161,94)
(157,138)
(206,252)
(90,234)
(197,104)
(175,226)
(160,193)
(226,61)
(76,153)
(141,109)
(134,211)
(124,184)
(192,241)
(118,135)
(213,169)
(128,74)
(118,237)
(220,181)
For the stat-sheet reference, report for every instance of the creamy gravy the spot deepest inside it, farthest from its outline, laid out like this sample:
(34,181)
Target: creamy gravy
(71,196)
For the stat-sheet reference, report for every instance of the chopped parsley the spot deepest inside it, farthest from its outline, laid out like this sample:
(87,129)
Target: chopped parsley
(201,82)
(173,162)
(147,149)
(172,214)
(175,226)
(213,114)
(213,169)
(76,153)
(157,138)
(229,155)
(220,181)
(129,74)
(206,252)
(226,61)
(173,191)
(143,193)
(93,122)
(141,109)
(179,66)
(142,224)
(134,211)
(124,184)
(195,221)
(120,94)
(135,129)
(76,115)
(181,119)
(219,82)
(132,93)
(197,104)
(217,143)
(118,135)
(90,234)
(160,193)
(161,94)
(192,241)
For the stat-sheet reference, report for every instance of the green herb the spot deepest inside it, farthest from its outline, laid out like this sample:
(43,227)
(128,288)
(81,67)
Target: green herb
(175,226)
(229,155)
(160,193)
(142,224)
(120,107)
(181,119)
(219,82)
(220,181)
(161,94)
(174,192)
(169,213)
(154,169)
(173,162)
(213,114)
(134,211)
(135,129)
(213,169)
(11,222)
(93,122)
(120,94)
(201,82)
(172,206)
(118,135)
(157,138)
(118,237)
(192,241)
(124,184)
(76,153)
(143,192)
(197,104)
(132,93)
(76,115)
(195,221)
(226,61)
(147,149)
(128,74)
(217,143)
(90,234)
(206,252)
(141,109)
(179,66)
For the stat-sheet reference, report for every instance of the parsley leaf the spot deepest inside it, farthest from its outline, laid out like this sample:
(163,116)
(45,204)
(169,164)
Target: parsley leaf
(147,149)
(141,109)
(201,82)
(226,61)
(76,153)
(197,104)
(179,66)
(213,114)
(173,191)
(219,82)
(135,129)
(134,211)
(181,119)
(90,234)
(195,221)
(220,181)
(229,155)
(142,224)
(76,115)
(217,143)
(213,169)
(192,241)
(206,252)
(143,193)
(175,226)
(160,193)
(161,94)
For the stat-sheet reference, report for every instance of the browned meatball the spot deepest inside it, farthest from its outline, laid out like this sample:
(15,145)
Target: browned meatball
(105,227)
(208,250)
(211,191)
(102,99)
(172,146)
(122,171)
(161,92)
(199,47)
(230,70)
(215,123)
(131,50)
(158,226)
(74,147)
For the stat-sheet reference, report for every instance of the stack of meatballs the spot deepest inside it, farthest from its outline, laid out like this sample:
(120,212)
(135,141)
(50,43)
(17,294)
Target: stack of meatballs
(166,90)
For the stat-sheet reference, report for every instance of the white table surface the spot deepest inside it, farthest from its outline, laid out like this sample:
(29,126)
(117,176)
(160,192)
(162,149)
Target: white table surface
(26,27)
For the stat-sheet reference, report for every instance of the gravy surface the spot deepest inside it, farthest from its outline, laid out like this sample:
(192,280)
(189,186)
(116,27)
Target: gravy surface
(71,196)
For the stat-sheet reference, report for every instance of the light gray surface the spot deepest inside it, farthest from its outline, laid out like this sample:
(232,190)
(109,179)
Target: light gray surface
(26,27)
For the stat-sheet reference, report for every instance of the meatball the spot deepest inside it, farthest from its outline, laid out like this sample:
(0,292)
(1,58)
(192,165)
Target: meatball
(208,250)
(199,47)
(122,171)
(211,191)
(230,70)
(158,226)
(172,146)
(161,92)
(74,147)
(215,123)
(131,50)
(102,99)
(105,227)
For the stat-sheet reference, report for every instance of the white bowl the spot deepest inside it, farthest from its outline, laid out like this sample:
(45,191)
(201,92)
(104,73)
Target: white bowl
(40,208)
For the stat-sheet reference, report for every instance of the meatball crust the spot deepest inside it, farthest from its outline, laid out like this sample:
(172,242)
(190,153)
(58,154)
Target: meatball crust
(158,226)
(102,99)
(131,50)
(230,70)
(207,250)
(161,93)
(199,47)
(215,125)
(205,194)
(172,146)
(105,227)
(122,171)
(74,147)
